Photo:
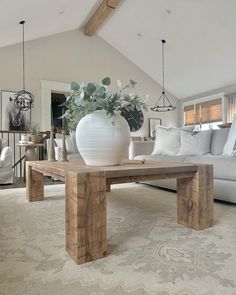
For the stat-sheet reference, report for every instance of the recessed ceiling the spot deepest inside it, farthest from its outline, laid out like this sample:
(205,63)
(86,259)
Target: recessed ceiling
(200,34)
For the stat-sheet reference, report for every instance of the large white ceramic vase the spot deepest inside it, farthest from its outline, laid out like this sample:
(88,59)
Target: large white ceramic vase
(102,140)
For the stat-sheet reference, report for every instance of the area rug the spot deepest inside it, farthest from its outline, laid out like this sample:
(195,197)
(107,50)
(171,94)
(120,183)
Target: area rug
(149,253)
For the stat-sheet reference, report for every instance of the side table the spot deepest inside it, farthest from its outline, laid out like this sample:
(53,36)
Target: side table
(30,151)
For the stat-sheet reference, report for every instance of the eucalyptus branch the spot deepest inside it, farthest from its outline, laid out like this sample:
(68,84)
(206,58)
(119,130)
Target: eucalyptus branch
(84,99)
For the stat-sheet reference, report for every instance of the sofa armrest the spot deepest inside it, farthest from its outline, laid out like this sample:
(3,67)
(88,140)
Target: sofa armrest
(137,148)
(6,157)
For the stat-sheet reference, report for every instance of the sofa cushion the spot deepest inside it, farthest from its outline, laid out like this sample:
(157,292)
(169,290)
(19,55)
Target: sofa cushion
(167,141)
(224,166)
(3,143)
(218,140)
(231,140)
(195,143)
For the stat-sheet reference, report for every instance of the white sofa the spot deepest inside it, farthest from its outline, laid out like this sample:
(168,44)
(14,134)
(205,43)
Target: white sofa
(224,166)
(6,171)
(71,147)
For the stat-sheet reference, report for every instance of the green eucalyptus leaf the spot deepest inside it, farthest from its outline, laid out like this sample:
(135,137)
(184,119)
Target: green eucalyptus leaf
(106,81)
(85,99)
(75,86)
(91,87)
(81,95)
(100,91)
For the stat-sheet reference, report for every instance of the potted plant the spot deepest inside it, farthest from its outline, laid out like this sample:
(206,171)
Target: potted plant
(102,134)
(35,136)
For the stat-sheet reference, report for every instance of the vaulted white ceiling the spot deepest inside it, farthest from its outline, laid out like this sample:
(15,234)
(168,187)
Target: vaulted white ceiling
(43,17)
(201,41)
(200,34)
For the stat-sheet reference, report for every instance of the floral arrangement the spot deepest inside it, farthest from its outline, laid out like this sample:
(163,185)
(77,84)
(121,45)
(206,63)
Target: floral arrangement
(85,99)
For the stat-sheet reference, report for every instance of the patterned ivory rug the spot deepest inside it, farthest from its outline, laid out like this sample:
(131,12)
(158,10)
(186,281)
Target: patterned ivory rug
(149,252)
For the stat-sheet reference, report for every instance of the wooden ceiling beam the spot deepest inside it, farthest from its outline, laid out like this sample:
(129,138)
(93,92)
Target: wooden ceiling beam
(102,13)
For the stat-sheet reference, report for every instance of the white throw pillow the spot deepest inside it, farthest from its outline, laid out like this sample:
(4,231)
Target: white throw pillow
(229,145)
(195,144)
(69,144)
(73,139)
(167,141)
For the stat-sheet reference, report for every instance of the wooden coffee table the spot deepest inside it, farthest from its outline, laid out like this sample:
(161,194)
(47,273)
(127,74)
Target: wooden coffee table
(85,190)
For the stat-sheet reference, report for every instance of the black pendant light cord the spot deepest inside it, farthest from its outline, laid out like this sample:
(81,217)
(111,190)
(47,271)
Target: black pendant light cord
(163,66)
(163,103)
(24,100)
(23,52)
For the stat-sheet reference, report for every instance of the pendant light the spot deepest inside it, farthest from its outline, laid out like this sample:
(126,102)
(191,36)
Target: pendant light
(163,103)
(24,100)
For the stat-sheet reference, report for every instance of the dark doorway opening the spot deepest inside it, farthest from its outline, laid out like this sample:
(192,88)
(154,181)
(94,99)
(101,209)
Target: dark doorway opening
(56,100)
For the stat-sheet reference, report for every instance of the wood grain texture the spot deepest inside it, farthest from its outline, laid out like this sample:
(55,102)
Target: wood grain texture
(86,216)
(103,12)
(86,201)
(123,170)
(34,184)
(195,207)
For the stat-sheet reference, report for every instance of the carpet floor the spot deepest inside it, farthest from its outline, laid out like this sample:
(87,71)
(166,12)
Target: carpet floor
(149,253)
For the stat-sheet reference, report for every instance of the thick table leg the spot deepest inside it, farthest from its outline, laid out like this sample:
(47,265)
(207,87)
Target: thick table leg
(108,188)
(86,216)
(34,184)
(195,206)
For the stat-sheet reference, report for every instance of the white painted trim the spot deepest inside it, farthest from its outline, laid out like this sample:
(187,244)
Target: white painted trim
(203,99)
(47,87)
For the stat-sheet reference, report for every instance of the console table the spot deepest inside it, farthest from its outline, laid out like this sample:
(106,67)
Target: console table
(85,191)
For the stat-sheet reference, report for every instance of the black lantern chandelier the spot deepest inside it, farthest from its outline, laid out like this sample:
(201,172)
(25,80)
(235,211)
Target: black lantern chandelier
(24,100)
(163,103)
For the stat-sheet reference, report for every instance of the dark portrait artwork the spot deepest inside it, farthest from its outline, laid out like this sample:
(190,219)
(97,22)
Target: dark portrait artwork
(13,118)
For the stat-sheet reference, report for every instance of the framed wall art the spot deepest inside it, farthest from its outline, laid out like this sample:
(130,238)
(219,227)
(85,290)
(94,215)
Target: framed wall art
(153,122)
(13,118)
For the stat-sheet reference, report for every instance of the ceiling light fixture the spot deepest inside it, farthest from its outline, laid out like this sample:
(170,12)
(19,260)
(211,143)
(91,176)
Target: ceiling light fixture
(163,103)
(24,100)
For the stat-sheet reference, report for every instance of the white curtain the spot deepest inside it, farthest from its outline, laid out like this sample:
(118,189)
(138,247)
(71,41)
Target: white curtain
(230,103)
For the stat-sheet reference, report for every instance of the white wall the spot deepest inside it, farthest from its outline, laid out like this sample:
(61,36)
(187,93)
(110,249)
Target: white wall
(71,56)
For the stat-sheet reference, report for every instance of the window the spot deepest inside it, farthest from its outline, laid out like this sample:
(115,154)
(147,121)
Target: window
(203,113)
(230,106)
(189,116)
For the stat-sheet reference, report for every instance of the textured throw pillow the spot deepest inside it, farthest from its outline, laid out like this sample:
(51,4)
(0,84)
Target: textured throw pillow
(218,140)
(195,144)
(69,144)
(73,139)
(167,141)
(229,145)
